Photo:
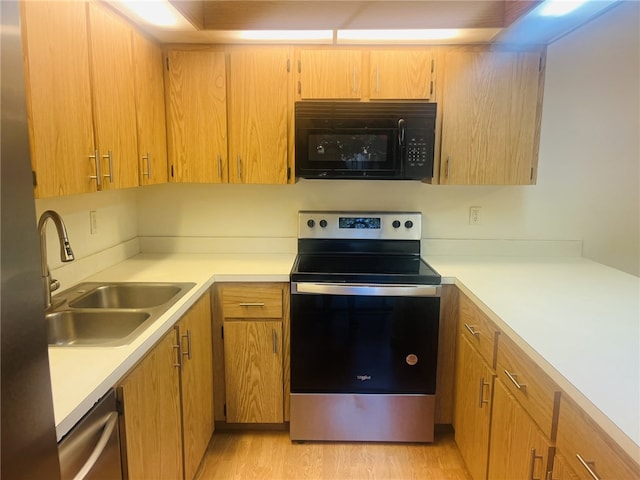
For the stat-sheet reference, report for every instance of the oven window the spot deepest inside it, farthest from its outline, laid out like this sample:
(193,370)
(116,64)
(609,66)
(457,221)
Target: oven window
(363,344)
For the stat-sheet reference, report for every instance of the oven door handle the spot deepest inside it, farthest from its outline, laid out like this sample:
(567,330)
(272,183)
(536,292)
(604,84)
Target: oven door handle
(364,289)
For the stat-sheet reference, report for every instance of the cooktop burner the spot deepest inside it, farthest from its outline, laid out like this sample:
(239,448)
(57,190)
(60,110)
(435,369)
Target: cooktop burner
(361,247)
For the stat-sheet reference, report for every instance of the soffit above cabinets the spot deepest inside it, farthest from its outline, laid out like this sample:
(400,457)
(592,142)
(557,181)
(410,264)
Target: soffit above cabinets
(478,21)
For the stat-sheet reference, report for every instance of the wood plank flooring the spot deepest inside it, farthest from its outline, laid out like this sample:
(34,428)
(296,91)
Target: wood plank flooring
(270,455)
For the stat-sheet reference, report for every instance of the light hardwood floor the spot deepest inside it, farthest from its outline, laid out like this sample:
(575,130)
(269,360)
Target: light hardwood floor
(270,455)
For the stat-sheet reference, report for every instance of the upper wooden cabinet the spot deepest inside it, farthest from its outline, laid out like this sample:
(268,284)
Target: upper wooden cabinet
(150,112)
(491,117)
(81,97)
(197,116)
(401,74)
(58,87)
(259,114)
(375,74)
(330,73)
(114,110)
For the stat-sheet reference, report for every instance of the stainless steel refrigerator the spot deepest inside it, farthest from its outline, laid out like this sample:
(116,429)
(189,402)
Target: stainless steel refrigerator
(28,442)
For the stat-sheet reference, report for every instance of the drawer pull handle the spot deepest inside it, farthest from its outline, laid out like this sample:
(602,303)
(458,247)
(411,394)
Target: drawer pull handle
(275,341)
(532,467)
(588,466)
(482,401)
(513,378)
(252,304)
(471,329)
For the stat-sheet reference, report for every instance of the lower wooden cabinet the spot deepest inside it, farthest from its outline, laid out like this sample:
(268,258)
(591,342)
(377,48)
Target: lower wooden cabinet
(152,428)
(253,371)
(518,448)
(168,401)
(474,392)
(253,319)
(586,451)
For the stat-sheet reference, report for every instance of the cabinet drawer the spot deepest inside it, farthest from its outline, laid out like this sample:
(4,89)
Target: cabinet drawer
(481,332)
(528,383)
(251,301)
(581,440)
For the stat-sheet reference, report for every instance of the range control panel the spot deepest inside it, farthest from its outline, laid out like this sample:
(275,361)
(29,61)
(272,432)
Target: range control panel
(360,225)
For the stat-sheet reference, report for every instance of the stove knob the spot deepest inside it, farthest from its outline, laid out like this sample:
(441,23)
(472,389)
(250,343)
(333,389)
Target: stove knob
(408,224)
(396,224)
(311,223)
(323,223)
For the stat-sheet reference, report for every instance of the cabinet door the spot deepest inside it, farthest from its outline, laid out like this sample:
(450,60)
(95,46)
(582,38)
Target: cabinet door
(197,116)
(150,395)
(253,371)
(518,448)
(401,74)
(328,74)
(490,119)
(258,115)
(197,383)
(114,111)
(58,91)
(474,387)
(150,112)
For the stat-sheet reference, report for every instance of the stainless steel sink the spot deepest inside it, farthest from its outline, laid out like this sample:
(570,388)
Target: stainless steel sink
(108,314)
(127,295)
(87,328)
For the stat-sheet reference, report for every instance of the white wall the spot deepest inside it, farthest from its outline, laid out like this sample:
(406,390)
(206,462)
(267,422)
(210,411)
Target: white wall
(588,176)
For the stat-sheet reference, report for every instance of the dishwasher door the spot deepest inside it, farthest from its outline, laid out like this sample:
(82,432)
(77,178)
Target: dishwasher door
(91,450)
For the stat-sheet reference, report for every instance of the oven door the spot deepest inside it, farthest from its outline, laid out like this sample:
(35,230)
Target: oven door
(348,150)
(368,339)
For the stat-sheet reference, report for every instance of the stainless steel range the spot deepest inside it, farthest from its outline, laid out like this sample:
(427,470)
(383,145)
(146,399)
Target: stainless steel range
(364,329)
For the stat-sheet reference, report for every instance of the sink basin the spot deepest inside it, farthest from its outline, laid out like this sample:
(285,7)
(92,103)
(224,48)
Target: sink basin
(127,295)
(94,314)
(90,328)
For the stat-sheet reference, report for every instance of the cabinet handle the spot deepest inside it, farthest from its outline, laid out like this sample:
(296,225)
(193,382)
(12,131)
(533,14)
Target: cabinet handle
(252,304)
(377,79)
(188,352)
(472,330)
(532,466)
(448,166)
(147,159)
(220,166)
(513,378)
(275,341)
(355,81)
(588,466)
(98,175)
(239,168)
(178,349)
(482,401)
(109,156)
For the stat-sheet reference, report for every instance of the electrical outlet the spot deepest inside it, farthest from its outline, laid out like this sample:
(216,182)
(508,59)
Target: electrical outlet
(474,215)
(93,222)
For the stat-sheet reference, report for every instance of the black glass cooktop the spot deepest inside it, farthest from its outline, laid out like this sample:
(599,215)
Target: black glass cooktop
(365,268)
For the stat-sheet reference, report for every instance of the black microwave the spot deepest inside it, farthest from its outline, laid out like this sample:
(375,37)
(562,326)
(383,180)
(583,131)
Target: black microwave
(365,140)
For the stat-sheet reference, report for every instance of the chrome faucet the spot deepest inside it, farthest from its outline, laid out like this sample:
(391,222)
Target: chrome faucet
(66,254)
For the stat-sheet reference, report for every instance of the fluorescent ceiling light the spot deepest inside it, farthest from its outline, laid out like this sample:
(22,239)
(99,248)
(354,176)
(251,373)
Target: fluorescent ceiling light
(558,8)
(285,35)
(408,35)
(154,12)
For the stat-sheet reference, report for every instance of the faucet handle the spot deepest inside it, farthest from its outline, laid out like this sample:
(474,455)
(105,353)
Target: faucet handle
(54,285)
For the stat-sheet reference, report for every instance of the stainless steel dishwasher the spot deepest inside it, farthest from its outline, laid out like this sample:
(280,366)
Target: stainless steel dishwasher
(91,450)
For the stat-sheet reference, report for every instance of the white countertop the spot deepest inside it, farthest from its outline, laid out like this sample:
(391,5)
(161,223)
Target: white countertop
(579,318)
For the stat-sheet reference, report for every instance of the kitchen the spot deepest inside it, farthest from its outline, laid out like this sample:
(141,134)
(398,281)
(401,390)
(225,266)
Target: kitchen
(533,219)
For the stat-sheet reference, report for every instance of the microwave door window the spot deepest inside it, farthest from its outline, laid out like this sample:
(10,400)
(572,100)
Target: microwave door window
(361,152)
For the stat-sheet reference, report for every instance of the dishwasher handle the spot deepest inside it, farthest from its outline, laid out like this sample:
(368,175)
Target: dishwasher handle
(109,426)
(365,289)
